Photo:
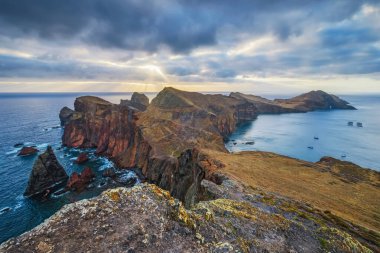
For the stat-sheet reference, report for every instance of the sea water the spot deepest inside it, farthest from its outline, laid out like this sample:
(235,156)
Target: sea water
(33,119)
(310,136)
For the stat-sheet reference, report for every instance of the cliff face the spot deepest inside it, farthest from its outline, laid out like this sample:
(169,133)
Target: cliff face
(160,140)
(164,138)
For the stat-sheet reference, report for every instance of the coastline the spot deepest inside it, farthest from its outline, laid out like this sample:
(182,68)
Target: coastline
(208,162)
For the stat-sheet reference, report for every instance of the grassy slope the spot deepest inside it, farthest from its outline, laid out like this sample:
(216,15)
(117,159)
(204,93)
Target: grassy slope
(309,182)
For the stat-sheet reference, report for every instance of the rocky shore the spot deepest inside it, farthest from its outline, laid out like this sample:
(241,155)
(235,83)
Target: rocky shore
(178,143)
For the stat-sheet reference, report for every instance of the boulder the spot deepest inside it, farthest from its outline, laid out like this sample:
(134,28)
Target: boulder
(78,182)
(25,151)
(82,158)
(46,174)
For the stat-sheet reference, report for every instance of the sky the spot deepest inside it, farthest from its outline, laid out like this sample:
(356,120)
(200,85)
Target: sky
(256,46)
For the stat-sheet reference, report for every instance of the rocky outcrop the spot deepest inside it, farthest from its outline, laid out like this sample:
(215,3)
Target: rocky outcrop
(25,151)
(138,101)
(166,139)
(157,139)
(46,174)
(147,219)
(311,101)
(315,100)
(78,182)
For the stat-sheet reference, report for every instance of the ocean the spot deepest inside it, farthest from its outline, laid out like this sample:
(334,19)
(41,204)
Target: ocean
(33,120)
(310,136)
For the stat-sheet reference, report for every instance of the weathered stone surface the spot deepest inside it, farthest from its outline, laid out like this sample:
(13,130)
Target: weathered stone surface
(46,173)
(25,151)
(147,219)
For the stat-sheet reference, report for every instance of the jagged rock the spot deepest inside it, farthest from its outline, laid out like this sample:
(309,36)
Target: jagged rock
(78,182)
(138,101)
(25,151)
(65,115)
(46,174)
(82,158)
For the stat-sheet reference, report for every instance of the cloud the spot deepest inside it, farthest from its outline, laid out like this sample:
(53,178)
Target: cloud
(179,25)
(187,40)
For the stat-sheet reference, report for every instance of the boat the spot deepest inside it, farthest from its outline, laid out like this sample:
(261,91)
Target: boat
(350,123)
(316,138)
(343,156)
(359,124)
(310,147)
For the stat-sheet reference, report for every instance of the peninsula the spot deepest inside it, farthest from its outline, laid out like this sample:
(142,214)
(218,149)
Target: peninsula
(200,197)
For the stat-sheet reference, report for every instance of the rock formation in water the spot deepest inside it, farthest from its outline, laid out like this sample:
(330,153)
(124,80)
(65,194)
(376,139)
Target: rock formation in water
(146,218)
(25,151)
(82,158)
(77,182)
(46,174)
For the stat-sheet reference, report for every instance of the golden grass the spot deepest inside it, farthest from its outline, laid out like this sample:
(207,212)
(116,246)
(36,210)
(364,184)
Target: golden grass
(308,182)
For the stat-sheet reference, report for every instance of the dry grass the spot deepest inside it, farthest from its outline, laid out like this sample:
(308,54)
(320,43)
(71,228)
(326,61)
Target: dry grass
(358,202)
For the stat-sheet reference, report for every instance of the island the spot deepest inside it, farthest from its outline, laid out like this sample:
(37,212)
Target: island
(199,197)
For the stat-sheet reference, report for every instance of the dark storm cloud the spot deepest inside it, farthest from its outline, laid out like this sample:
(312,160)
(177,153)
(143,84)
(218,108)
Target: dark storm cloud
(181,25)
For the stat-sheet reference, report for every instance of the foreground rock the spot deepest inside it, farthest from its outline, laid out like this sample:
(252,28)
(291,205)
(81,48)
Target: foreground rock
(146,219)
(78,182)
(46,174)
(25,151)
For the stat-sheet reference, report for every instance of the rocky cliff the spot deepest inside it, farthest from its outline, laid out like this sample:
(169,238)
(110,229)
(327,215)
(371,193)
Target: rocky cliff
(160,140)
(311,101)
(178,143)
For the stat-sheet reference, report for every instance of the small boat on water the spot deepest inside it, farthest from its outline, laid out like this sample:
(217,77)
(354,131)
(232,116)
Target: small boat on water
(359,124)
(343,156)
(310,147)
(350,123)
(316,138)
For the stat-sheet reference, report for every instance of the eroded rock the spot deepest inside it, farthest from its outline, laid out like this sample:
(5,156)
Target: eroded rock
(46,174)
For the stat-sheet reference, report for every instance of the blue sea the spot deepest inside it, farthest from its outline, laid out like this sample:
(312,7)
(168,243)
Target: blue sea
(310,136)
(33,120)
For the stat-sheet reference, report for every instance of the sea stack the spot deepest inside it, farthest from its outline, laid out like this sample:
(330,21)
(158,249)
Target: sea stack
(46,173)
